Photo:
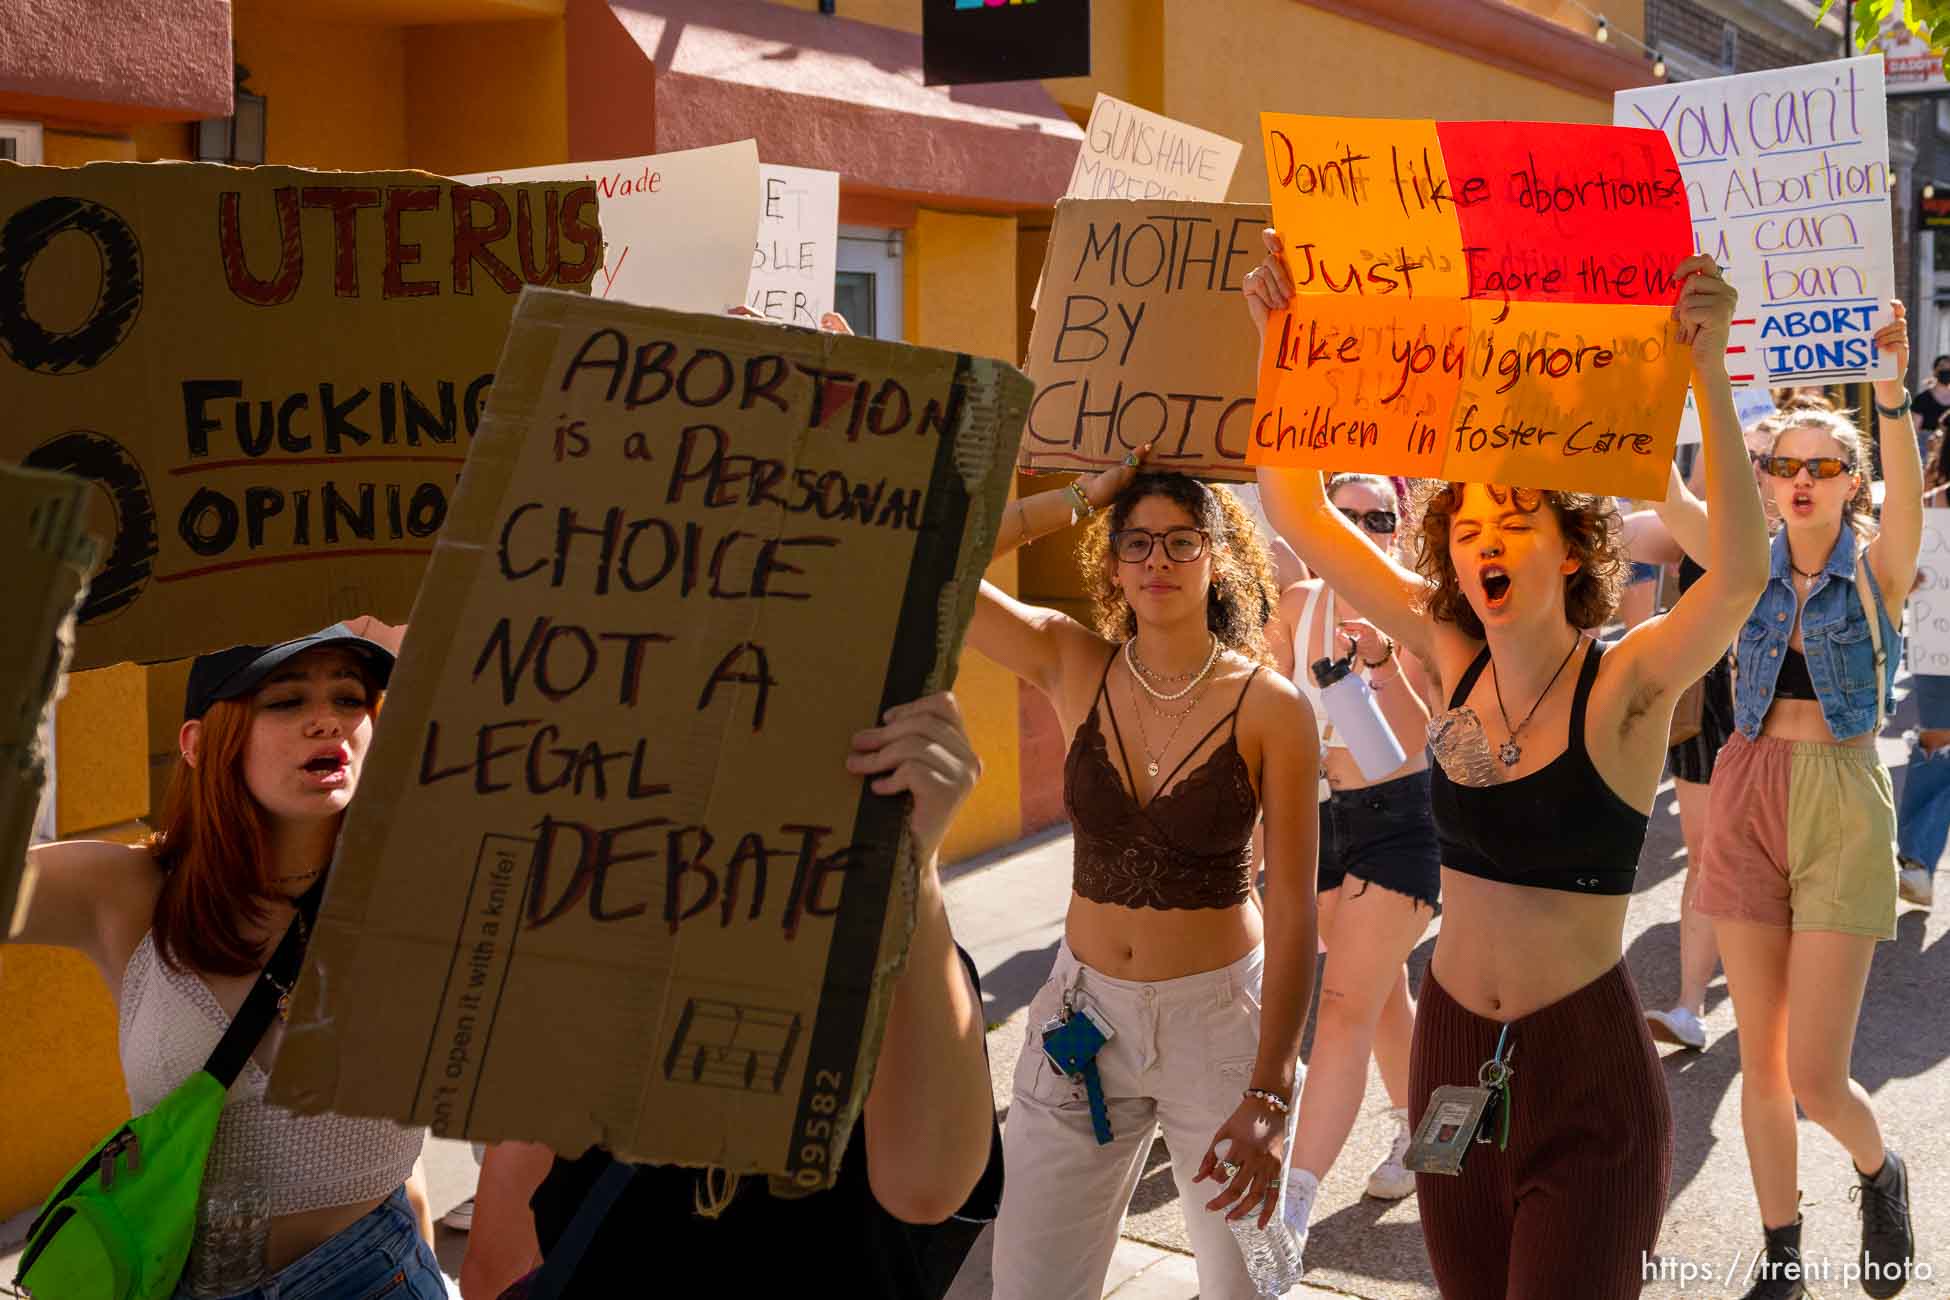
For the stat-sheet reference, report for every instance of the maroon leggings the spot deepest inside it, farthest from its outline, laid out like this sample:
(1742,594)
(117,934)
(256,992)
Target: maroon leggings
(1572,1208)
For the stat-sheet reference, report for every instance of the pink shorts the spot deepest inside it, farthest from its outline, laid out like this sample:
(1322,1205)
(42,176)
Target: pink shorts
(1800,835)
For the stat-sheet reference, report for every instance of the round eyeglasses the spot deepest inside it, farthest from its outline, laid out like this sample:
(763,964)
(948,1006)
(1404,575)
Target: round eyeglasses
(1134,545)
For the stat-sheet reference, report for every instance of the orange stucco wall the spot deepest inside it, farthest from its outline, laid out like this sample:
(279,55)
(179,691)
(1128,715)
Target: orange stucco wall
(335,92)
(482,96)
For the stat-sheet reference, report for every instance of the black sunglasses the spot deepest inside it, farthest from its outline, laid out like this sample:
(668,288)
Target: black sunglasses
(1134,545)
(1789,466)
(1374,521)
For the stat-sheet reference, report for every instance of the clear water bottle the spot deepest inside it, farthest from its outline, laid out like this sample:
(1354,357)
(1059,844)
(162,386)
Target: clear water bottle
(1272,1254)
(233,1226)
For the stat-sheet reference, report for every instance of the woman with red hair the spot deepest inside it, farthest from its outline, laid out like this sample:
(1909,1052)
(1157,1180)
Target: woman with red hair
(181,925)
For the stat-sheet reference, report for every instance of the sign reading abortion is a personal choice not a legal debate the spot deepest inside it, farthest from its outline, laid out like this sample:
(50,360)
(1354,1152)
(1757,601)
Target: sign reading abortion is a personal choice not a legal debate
(270,375)
(691,557)
(1475,300)
(1787,177)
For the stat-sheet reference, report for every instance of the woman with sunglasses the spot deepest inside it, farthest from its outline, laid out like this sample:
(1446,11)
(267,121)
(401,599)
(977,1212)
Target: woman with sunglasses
(1178,743)
(1379,871)
(1548,757)
(1799,870)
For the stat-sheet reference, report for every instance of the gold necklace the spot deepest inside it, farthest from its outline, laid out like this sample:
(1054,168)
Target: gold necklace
(1151,761)
(1130,659)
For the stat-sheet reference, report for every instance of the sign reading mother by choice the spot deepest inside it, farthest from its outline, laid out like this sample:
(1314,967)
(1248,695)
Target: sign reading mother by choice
(270,375)
(1787,175)
(1475,300)
(690,557)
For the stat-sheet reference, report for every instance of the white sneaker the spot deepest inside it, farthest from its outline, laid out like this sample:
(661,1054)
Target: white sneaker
(1677,1026)
(1917,885)
(461,1217)
(1391,1180)
(1298,1207)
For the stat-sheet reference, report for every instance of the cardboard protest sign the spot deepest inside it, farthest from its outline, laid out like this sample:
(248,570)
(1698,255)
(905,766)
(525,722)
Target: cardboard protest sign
(271,375)
(678,228)
(607,878)
(1927,633)
(1787,176)
(1143,337)
(1132,153)
(48,556)
(798,244)
(1488,301)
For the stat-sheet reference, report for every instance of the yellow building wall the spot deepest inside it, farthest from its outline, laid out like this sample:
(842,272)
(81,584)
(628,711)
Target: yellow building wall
(335,93)
(62,1091)
(101,751)
(961,294)
(487,96)
(1219,76)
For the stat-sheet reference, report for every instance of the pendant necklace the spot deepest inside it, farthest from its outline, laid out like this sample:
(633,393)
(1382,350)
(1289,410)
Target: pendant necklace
(1151,761)
(1510,752)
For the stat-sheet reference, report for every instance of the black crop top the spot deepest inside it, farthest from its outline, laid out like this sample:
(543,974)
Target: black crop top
(1793,683)
(1560,827)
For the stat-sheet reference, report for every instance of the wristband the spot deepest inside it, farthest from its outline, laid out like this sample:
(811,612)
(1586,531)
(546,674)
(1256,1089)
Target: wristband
(1080,507)
(1387,653)
(1273,1099)
(1896,412)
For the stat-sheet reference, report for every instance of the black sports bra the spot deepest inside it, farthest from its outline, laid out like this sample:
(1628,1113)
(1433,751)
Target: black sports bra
(1793,682)
(1560,827)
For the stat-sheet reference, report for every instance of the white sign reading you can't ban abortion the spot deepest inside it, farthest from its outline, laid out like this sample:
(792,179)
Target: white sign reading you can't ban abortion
(1787,174)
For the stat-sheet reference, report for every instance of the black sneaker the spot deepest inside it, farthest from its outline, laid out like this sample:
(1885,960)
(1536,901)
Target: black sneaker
(1888,1246)
(1777,1273)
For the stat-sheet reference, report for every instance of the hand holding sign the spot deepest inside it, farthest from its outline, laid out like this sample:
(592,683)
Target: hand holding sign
(923,751)
(1704,311)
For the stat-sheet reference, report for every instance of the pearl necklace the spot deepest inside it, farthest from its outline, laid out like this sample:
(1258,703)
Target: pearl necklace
(1130,659)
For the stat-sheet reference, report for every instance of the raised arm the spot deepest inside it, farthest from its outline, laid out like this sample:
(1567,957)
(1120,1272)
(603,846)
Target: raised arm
(1672,652)
(1893,552)
(1297,506)
(1032,642)
(1684,517)
(930,1112)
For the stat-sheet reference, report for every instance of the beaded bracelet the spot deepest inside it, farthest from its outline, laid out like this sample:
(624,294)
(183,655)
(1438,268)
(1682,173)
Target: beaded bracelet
(1273,1099)
(1080,507)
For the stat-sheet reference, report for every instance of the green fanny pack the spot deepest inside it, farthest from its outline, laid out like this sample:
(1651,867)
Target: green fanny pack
(120,1224)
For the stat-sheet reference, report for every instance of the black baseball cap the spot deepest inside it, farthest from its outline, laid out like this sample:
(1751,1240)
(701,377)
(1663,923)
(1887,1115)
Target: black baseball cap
(226,674)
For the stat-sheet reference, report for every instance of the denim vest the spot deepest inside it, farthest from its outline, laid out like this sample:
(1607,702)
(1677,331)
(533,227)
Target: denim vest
(1834,637)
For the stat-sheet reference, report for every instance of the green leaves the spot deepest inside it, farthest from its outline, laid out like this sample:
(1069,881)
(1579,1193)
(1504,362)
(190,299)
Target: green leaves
(1929,19)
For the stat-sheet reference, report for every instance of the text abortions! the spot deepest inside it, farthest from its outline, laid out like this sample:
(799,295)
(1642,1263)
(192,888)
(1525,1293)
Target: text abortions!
(1787,176)
(1477,300)
(533,664)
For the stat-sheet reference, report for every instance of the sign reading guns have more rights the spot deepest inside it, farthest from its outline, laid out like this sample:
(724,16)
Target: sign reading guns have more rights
(1487,301)
(1787,175)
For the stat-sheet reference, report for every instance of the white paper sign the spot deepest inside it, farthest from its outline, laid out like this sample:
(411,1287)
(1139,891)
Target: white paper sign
(1929,605)
(1749,405)
(798,244)
(1132,153)
(1787,173)
(678,228)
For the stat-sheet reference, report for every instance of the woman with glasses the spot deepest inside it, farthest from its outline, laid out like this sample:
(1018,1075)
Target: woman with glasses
(1799,870)
(1379,871)
(1173,1001)
(1528,1030)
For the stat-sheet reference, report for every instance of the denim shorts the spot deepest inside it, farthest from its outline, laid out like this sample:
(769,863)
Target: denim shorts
(382,1255)
(1382,835)
(1932,696)
(1642,572)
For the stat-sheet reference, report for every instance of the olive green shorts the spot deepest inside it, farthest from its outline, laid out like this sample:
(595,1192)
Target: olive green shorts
(1800,835)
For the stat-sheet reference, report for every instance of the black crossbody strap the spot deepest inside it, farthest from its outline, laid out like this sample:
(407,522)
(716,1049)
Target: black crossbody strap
(559,1268)
(254,1017)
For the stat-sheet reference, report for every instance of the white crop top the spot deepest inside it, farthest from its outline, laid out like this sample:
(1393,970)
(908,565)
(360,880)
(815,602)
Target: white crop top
(170,1023)
(1303,675)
